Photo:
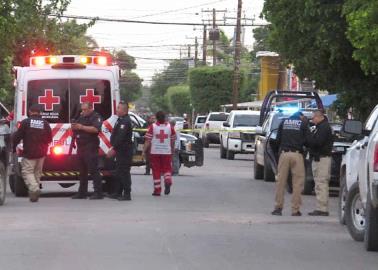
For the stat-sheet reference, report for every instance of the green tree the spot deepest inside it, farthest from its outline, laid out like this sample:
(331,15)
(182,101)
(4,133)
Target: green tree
(130,86)
(178,98)
(130,83)
(261,43)
(124,60)
(26,29)
(311,35)
(210,87)
(362,18)
(176,73)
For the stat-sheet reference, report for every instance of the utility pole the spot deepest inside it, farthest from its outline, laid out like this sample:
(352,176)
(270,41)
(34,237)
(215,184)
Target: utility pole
(214,41)
(189,52)
(196,52)
(204,45)
(214,34)
(236,82)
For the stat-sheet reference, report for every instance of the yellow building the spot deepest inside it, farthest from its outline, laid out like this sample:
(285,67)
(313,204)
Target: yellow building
(273,73)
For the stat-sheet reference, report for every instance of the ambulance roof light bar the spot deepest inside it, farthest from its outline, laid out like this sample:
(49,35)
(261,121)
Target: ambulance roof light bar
(39,61)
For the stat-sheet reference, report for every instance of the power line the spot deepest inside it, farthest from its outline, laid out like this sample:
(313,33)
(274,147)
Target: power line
(78,17)
(180,9)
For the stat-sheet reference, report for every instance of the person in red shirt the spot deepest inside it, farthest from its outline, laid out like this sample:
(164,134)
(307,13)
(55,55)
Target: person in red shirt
(159,144)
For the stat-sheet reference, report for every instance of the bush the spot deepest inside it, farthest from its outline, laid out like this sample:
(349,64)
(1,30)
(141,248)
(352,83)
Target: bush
(178,98)
(210,87)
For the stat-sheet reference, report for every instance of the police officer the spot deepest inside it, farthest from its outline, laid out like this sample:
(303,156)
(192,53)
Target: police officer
(121,141)
(86,130)
(291,138)
(320,142)
(35,133)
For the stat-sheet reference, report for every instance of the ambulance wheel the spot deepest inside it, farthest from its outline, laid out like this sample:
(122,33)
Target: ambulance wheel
(66,185)
(3,183)
(20,189)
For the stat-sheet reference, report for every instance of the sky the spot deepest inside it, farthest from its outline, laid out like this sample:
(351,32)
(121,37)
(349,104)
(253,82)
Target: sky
(165,40)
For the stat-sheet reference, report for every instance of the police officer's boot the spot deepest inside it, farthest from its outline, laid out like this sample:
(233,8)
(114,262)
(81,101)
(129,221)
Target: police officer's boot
(125,197)
(96,196)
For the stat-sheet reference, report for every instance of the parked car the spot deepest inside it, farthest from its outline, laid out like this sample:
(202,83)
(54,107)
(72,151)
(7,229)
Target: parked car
(180,122)
(210,131)
(199,123)
(360,176)
(237,136)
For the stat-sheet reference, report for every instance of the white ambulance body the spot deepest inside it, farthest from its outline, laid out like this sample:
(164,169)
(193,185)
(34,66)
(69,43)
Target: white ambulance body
(59,84)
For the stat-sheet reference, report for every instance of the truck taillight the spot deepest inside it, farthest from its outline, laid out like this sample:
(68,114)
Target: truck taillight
(57,150)
(207,125)
(375,163)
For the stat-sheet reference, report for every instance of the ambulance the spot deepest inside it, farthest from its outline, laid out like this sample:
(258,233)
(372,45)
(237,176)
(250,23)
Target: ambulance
(59,84)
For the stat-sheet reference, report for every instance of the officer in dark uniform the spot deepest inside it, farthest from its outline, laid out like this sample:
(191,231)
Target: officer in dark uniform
(121,141)
(320,142)
(291,138)
(86,130)
(35,133)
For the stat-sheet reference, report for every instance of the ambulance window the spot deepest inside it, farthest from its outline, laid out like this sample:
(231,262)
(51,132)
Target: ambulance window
(52,96)
(96,91)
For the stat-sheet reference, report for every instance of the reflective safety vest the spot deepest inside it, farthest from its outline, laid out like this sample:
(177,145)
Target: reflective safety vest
(161,136)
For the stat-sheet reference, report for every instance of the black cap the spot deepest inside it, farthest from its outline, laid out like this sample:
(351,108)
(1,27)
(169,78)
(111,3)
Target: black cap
(297,114)
(35,108)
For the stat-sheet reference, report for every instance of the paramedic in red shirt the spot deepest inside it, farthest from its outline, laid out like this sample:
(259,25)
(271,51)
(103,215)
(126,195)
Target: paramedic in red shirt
(160,141)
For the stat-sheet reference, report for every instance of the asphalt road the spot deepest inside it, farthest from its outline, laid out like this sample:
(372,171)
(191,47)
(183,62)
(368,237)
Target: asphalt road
(218,217)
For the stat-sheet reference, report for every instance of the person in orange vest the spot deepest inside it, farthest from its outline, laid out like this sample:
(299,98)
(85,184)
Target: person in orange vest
(159,144)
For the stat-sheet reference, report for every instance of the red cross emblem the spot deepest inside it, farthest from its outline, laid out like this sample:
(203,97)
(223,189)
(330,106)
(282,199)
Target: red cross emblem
(49,100)
(90,97)
(161,136)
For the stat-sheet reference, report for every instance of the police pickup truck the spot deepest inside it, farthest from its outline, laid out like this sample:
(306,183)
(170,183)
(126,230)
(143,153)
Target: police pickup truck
(359,176)
(280,105)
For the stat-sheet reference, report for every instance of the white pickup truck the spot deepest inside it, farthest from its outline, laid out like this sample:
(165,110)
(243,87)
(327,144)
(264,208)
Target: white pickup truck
(210,130)
(237,136)
(359,182)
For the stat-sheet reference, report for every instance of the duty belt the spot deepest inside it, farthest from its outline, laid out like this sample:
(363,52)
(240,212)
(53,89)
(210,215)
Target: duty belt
(291,151)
